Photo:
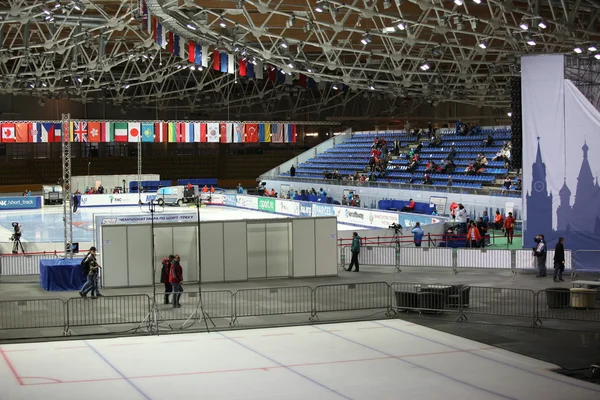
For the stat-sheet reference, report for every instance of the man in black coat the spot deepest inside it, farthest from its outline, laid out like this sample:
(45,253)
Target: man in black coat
(559,260)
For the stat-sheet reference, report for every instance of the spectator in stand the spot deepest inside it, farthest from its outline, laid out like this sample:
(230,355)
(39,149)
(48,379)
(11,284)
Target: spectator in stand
(489,141)
(336,175)
(430,167)
(507,183)
(486,219)
(427,180)
(375,141)
(482,227)
(411,178)
(292,171)
(459,126)
(322,192)
(509,227)
(212,189)
(449,182)
(559,260)
(355,249)
(498,221)
(410,207)
(451,154)
(470,169)
(205,189)
(483,160)
(397,146)
(273,194)
(356,200)
(540,252)
(418,233)
(473,236)
(407,127)
(461,216)
(240,189)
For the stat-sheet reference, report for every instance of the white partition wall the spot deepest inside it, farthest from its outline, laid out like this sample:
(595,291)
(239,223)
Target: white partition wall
(230,250)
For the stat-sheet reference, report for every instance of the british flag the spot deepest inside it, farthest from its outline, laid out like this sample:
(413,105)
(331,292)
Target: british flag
(80,132)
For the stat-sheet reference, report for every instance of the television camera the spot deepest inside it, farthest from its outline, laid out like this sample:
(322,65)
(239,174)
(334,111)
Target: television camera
(16,238)
(397,228)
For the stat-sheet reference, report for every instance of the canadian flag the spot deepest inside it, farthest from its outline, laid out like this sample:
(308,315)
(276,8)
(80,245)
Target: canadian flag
(8,133)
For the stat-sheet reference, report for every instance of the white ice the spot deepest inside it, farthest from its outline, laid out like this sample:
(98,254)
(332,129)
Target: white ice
(390,359)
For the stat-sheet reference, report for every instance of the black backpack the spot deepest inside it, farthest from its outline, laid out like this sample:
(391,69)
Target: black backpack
(85,264)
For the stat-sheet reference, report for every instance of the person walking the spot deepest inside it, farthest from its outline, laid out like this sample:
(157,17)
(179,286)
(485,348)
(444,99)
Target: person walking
(540,252)
(90,269)
(355,249)
(473,236)
(164,276)
(509,227)
(176,279)
(559,260)
(461,217)
(418,233)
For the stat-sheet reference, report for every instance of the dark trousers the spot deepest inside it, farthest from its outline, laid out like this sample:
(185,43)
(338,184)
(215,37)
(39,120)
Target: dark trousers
(474,244)
(417,244)
(541,264)
(354,261)
(168,289)
(558,270)
(177,290)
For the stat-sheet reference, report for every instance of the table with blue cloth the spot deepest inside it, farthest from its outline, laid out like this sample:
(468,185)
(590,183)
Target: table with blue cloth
(59,275)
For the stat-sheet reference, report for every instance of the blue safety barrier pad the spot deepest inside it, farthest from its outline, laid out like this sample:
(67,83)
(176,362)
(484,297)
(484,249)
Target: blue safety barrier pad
(59,275)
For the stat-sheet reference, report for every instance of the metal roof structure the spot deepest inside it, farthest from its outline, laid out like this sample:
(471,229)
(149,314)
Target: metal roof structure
(367,58)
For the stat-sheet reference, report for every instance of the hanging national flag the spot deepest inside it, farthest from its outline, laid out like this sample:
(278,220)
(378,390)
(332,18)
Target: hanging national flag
(155,29)
(230,64)
(277,133)
(8,133)
(47,132)
(261,133)
(205,56)
(259,69)
(171,43)
(197,132)
(249,70)
(286,135)
(302,80)
(237,132)
(22,132)
(243,63)
(133,132)
(172,136)
(203,133)
(186,132)
(191,51)
(199,54)
(272,73)
(267,133)
(250,133)
(226,132)
(224,62)
(160,132)
(35,133)
(181,46)
(293,132)
(216,60)
(58,132)
(107,133)
(212,132)
(120,131)
(289,79)
(80,132)
(147,132)
(94,133)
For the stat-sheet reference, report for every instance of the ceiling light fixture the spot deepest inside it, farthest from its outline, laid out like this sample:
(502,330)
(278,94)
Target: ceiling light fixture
(366,39)
(284,44)
(321,5)
(334,87)
(578,50)
(592,48)
(458,2)
(309,69)
(523,25)
(371,86)
(482,45)
(401,26)
(222,23)
(597,56)
(291,64)
(531,42)
(542,25)
(477,1)
(389,29)
(425,67)
(387,4)
(290,22)
(192,27)
(509,114)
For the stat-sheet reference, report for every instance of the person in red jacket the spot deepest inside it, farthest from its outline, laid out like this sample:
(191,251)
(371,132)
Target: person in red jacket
(165,273)
(473,236)
(509,227)
(175,279)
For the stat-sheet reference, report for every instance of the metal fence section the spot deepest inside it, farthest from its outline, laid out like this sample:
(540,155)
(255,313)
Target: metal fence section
(108,310)
(524,260)
(371,255)
(273,301)
(587,261)
(217,304)
(22,264)
(500,301)
(569,304)
(353,296)
(27,314)
(484,258)
(427,298)
(426,257)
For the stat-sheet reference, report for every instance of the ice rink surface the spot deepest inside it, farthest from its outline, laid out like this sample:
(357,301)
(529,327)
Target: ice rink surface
(46,225)
(390,359)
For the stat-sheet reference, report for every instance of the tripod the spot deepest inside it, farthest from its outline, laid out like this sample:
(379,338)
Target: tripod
(16,244)
(200,314)
(152,320)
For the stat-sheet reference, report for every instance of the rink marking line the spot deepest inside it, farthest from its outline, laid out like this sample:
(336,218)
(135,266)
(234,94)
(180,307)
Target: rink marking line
(11,366)
(449,377)
(133,385)
(278,334)
(554,378)
(320,363)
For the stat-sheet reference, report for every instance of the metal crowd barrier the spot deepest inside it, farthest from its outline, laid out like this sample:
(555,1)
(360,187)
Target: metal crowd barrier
(465,301)
(427,257)
(371,256)
(22,264)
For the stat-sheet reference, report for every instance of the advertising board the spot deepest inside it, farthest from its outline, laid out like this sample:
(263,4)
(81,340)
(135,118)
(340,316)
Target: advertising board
(287,207)
(20,203)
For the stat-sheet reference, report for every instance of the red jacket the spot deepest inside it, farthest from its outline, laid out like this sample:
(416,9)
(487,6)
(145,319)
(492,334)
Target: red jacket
(509,223)
(176,275)
(475,232)
(411,205)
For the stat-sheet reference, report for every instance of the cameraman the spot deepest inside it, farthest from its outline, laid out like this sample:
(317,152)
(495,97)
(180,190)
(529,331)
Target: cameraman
(16,237)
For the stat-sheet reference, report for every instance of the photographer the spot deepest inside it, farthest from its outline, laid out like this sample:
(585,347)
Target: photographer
(91,270)
(16,237)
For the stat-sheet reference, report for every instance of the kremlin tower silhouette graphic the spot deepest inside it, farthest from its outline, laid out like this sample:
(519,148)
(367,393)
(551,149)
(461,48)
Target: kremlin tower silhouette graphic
(578,223)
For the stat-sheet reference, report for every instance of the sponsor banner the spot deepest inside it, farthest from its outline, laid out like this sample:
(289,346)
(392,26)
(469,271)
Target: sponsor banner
(117,199)
(382,219)
(247,202)
(20,203)
(147,219)
(213,199)
(409,220)
(266,204)
(230,200)
(352,215)
(322,210)
(305,209)
(287,207)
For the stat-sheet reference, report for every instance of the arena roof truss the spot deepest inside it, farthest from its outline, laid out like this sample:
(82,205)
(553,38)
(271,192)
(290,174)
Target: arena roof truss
(367,58)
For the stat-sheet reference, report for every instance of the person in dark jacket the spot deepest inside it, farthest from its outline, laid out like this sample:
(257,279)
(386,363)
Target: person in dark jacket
(355,249)
(175,279)
(540,252)
(293,171)
(559,260)
(164,276)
